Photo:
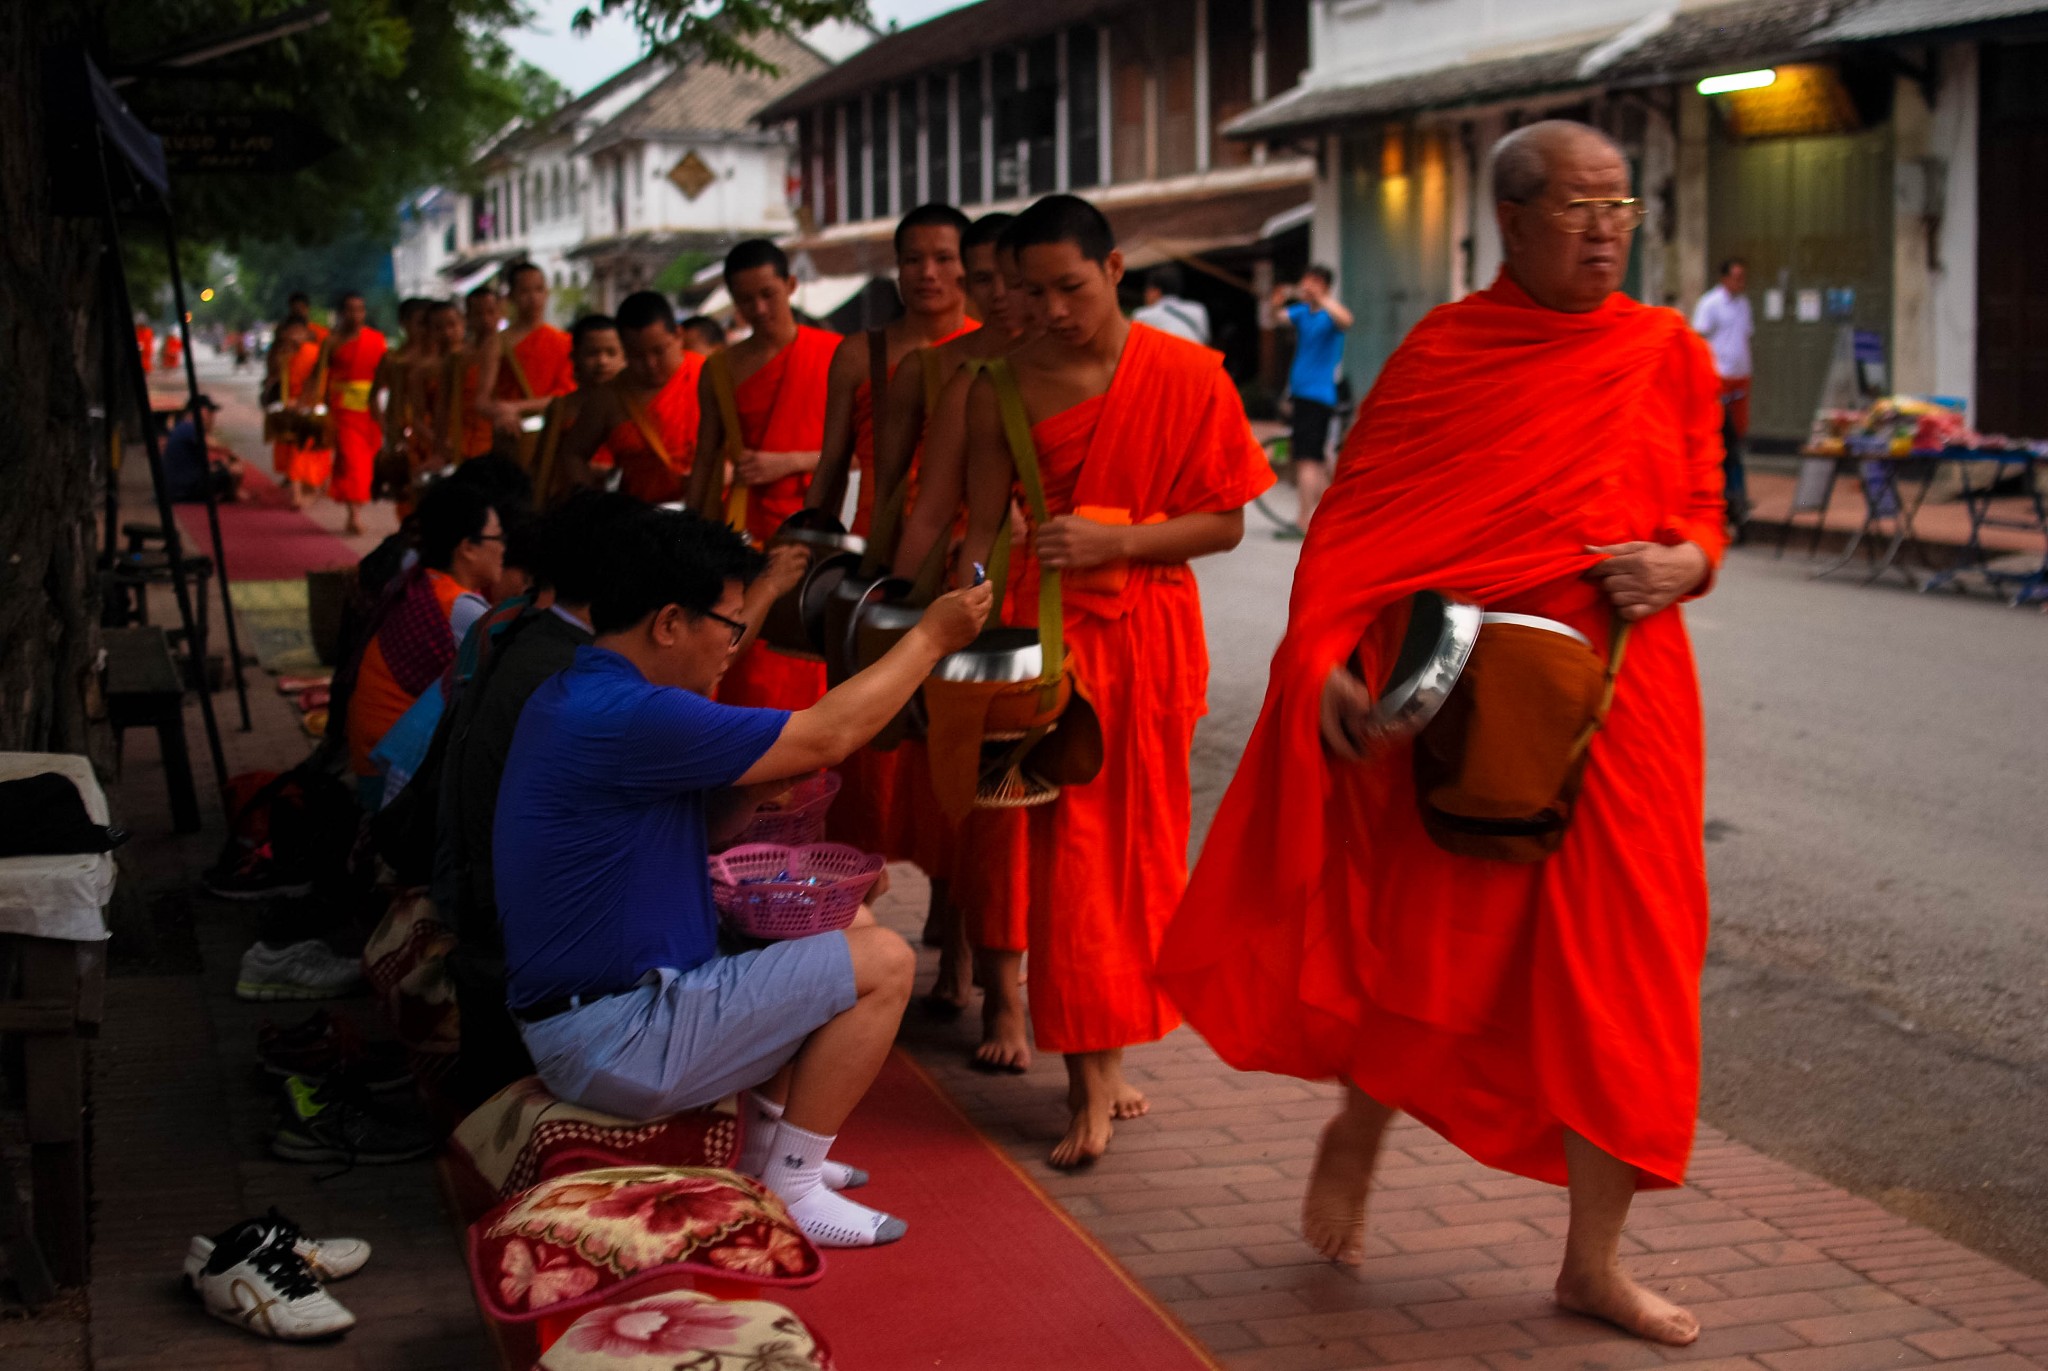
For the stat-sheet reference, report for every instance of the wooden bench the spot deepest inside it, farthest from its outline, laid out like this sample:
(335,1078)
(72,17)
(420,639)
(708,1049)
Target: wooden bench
(145,689)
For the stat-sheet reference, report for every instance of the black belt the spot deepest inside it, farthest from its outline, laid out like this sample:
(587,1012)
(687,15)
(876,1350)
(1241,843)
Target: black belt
(543,1010)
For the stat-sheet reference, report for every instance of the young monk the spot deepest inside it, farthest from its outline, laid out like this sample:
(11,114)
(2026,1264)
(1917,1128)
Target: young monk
(595,357)
(465,419)
(646,418)
(391,398)
(1147,462)
(306,464)
(443,334)
(879,809)
(772,387)
(703,335)
(989,886)
(298,305)
(355,351)
(532,365)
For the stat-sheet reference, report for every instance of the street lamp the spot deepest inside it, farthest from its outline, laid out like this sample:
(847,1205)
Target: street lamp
(1740,80)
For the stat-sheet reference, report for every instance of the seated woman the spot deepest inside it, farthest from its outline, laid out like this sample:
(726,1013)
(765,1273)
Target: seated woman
(599,848)
(461,555)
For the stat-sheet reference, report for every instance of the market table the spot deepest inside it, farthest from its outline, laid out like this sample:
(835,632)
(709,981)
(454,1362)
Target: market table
(1972,463)
(53,933)
(1883,478)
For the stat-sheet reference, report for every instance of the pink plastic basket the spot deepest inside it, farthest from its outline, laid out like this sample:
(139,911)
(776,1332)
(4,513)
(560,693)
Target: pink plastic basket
(799,818)
(756,904)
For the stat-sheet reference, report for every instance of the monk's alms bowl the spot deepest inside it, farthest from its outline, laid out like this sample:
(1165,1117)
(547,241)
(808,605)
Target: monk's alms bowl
(1434,649)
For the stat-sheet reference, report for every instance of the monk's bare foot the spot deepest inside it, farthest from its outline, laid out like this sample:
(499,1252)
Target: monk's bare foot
(1333,1209)
(1005,1038)
(1126,1101)
(1090,1095)
(353,527)
(1613,1297)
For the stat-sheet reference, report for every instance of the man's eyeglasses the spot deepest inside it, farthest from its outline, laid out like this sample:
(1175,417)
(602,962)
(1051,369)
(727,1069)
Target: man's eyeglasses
(739,630)
(1579,216)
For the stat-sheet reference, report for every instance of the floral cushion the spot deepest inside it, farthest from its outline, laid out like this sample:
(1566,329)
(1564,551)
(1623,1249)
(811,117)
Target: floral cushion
(523,1135)
(688,1329)
(577,1241)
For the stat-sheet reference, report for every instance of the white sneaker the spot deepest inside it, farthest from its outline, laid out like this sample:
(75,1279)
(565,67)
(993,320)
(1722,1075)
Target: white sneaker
(332,1259)
(254,1279)
(829,1219)
(310,970)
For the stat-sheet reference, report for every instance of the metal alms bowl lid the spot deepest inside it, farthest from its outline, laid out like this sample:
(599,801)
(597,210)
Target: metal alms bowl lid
(1438,642)
(999,654)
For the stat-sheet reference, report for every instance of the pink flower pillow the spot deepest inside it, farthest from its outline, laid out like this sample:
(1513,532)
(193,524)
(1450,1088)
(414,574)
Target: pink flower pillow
(582,1240)
(523,1134)
(687,1328)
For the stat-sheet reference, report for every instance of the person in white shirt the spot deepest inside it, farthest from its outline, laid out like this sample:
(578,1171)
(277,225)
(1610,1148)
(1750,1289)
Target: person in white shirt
(1165,310)
(1722,317)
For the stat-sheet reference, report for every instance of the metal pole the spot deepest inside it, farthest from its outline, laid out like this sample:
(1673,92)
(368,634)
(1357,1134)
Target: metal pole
(220,555)
(122,313)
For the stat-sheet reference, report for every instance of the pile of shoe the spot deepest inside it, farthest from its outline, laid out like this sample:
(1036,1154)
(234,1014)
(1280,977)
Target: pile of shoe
(264,1275)
(305,970)
(338,1119)
(326,1043)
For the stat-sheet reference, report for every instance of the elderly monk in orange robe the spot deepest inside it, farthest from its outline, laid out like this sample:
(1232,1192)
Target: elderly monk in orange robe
(773,382)
(1148,462)
(989,885)
(355,351)
(533,365)
(647,418)
(886,804)
(1547,446)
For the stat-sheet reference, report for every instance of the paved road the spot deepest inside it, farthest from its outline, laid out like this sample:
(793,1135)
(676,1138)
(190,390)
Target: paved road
(1876,998)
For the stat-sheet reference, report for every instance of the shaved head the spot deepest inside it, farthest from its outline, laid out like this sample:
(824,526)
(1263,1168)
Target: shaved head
(1524,160)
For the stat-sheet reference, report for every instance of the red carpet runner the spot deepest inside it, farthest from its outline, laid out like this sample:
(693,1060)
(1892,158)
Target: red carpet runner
(264,538)
(993,1276)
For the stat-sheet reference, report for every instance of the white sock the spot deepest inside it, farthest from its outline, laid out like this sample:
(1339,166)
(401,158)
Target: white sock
(831,1220)
(796,1162)
(762,1117)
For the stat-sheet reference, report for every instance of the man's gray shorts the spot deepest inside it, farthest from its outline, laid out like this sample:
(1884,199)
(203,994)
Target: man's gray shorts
(686,1039)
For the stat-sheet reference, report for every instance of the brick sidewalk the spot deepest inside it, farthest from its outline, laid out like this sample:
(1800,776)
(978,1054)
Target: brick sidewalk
(1200,1201)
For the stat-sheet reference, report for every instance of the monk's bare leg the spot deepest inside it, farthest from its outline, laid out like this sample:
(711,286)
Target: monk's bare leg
(354,525)
(946,925)
(1309,480)
(1005,1034)
(1126,1101)
(1333,1210)
(1592,1281)
(1092,1082)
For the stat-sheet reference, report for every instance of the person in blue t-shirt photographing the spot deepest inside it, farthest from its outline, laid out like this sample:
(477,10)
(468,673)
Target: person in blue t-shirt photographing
(620,769)
(1319,320)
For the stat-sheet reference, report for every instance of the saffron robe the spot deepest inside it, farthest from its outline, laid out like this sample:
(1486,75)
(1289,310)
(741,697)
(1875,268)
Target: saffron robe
(468,432)
(992,847)
(308,464)
(887,804)
(145,346)
(1323,933)
(174,351)
(782,409)
(644,473)
(351,372)
(1108,860)
(542,358)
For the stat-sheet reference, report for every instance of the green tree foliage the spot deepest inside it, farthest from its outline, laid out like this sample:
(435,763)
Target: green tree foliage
(718,29)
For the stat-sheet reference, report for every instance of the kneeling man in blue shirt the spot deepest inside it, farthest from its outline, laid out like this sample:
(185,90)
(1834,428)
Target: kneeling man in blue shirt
(620,766)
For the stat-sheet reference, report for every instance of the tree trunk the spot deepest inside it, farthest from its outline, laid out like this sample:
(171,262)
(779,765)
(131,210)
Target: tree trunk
(50,461)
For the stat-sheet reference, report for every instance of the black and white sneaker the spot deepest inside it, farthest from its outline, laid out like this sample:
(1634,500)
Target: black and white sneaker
(255,1279)
(332,1259)
(334,1121)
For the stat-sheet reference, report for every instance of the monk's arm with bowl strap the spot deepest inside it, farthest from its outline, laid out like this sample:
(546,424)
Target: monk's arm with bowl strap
(722,391)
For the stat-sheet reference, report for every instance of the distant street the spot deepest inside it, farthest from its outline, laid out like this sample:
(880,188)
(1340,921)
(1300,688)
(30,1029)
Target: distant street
(1876,999)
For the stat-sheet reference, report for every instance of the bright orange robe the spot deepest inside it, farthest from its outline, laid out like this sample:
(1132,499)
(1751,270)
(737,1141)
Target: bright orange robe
(1324,934)
(305,464)
(542,357)
(886,803)
(351,371)
(477,435)
(174,352)
(782,409)
(145,344)
(992,849)
(643,473)
(1109,858)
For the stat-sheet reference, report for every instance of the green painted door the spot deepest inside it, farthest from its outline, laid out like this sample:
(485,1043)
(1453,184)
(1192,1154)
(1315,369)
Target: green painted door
(1812,217)
(1397,267)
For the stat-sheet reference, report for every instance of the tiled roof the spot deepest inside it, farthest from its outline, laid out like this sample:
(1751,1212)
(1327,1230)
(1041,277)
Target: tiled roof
(1307,108)
(702,98)
(1893,18)
(1724,34)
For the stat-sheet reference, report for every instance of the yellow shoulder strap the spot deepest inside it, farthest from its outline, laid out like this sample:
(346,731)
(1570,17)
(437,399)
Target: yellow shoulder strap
(511,356)
(723,392)
(1024,453)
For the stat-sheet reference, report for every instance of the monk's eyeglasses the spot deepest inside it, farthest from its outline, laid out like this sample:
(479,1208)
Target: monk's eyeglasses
(1579,216)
